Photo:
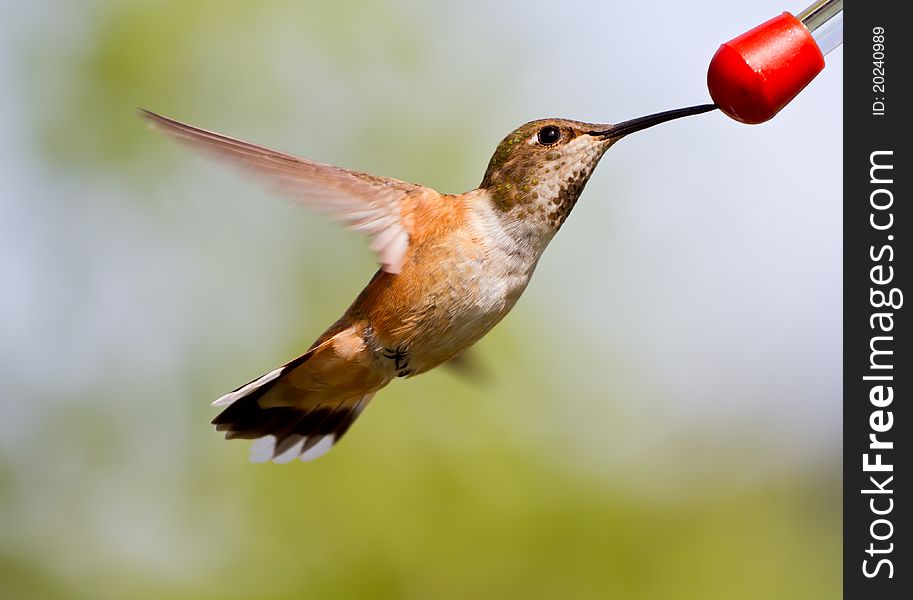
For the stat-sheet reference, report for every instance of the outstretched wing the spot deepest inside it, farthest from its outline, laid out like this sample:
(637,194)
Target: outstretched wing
(376,206)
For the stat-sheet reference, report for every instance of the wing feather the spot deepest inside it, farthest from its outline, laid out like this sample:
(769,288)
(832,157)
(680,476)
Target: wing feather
(373,205)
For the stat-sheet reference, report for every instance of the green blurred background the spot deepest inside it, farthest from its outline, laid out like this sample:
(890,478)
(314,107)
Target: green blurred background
(661,412)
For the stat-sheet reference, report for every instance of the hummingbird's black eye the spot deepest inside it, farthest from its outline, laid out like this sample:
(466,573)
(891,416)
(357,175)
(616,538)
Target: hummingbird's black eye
(548,135)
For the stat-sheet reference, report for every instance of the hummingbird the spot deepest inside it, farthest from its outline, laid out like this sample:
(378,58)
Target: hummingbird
(451,267)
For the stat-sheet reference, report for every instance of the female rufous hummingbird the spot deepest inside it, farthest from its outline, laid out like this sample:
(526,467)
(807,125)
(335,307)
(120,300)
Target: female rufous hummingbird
(452,266)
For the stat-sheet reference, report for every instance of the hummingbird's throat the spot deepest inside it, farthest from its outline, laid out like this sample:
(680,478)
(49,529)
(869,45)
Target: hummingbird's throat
(542,188)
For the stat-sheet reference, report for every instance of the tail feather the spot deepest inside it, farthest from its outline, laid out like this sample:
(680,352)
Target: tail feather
(290,421)
(283,434)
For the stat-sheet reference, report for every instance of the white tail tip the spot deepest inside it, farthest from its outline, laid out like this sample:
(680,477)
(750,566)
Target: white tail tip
(246,389)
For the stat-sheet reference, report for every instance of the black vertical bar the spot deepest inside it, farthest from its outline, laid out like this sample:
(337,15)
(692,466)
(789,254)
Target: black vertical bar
(876,323)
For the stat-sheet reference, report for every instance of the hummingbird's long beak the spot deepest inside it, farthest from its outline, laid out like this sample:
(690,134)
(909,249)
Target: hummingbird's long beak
(622,129)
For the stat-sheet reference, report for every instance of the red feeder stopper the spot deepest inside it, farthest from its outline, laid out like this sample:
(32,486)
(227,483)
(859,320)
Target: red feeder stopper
(756,74)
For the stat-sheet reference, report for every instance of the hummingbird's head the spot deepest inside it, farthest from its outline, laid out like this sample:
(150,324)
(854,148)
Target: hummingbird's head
(540,169)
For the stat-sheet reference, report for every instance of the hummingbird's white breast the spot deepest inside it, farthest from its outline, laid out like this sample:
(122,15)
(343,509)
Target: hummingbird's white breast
(480,270)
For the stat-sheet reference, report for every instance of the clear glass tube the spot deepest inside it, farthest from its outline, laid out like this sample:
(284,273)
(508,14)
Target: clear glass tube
(824,19)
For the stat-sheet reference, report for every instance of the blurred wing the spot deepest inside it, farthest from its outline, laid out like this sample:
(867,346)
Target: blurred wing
(468,365)
(376,206)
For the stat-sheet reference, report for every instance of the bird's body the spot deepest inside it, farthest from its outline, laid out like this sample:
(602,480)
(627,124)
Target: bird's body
(452,267)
